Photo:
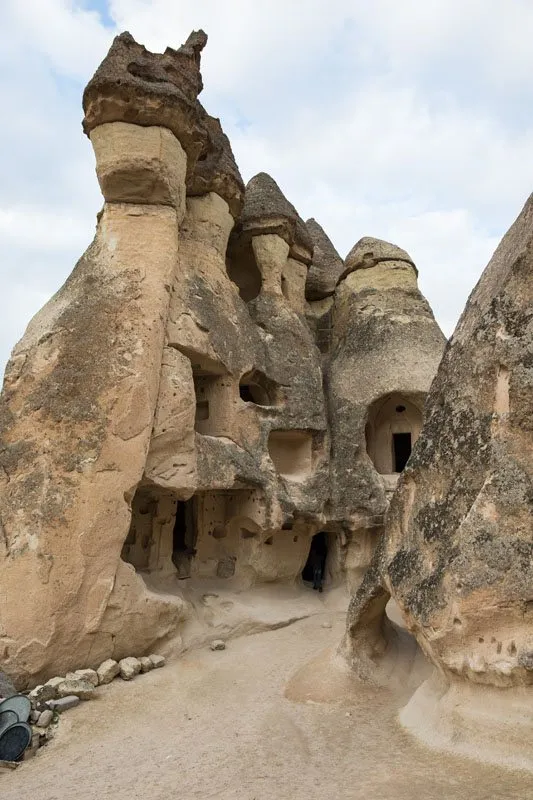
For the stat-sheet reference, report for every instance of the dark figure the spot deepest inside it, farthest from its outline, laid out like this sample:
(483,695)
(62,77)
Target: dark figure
(317,559)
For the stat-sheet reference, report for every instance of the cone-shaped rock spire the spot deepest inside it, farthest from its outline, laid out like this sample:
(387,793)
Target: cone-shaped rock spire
(326,267)
(267,210)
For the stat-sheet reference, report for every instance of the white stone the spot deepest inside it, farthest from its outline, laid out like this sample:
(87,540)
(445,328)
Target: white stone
(146,664)
(108,670)
(157,661)
(218,644)
(45,718)
(87,675)
(82,689)
(129,668)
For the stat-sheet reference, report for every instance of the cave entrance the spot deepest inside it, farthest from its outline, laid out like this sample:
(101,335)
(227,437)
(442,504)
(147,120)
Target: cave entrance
(184,535)
(401,445)
(393,425)
(315,567)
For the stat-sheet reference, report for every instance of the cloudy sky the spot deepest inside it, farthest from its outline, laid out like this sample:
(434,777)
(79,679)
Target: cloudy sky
(410,121)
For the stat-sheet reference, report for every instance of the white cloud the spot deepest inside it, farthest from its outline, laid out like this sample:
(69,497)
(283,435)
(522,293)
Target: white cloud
(409,121)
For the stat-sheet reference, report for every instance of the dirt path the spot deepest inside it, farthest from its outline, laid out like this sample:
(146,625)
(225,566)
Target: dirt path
(217,725)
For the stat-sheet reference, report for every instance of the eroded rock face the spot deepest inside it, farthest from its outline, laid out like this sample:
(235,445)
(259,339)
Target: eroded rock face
(164,419)
(327,265)
(385,349)
(145,89)
(457,551)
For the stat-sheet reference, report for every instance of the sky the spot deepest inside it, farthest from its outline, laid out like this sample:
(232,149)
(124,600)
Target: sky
(407,121)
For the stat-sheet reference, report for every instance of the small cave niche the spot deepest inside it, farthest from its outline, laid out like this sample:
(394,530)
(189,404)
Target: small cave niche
(137,547)
(213,402)
(242,269)
(255,387)
(393,425)
(291,453)
(162,532)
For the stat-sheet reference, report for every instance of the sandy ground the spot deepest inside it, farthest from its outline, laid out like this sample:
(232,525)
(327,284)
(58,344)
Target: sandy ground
(218,725)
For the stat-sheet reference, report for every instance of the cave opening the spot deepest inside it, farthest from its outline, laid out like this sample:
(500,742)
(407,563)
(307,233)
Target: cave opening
(314,570)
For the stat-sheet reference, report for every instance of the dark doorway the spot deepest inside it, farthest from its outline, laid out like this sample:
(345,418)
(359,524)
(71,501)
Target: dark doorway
(315,566)
(401,443)
(184,539)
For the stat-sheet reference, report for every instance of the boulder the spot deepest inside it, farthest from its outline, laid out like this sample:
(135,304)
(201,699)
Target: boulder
(45,718)
(146,664)
(129,668)
(87,675)
(85,690)
(157,661)
(107,671)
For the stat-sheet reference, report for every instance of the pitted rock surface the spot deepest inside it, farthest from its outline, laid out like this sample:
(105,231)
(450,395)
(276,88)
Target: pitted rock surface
(327,265)
(457,555)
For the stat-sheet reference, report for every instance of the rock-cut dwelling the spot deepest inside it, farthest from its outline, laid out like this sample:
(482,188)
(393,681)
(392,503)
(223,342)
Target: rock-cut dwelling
(212,387)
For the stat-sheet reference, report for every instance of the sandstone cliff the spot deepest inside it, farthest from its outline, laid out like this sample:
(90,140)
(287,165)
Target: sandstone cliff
(164,421)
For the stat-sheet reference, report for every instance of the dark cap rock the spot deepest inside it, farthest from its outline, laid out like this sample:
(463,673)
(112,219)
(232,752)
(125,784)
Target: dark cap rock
(326,267)
(142,88)
(368,252)
(267,210)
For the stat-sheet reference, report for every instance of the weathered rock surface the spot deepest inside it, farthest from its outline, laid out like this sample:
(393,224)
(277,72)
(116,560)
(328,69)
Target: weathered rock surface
(133,85)
(385,349)
(129,668)
(146,664)
(267,210)
(157,661)
(45,718)
(85,690)
(7,689)
(89,675)
(165,415)
(327,265)
(457,551)
(107,671)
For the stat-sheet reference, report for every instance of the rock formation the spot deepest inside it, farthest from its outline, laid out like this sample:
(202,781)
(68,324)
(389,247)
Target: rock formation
(168,414)
(385,349)
(457,554)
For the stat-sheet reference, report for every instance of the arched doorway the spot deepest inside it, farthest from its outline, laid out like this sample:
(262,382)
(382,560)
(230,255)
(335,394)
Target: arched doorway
(393,426)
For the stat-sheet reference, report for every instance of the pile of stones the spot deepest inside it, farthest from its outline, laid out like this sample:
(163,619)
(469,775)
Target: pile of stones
(62,693)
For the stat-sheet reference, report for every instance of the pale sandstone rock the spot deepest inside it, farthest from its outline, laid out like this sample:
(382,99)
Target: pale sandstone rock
(139,165)
(129,668)
(87,675)
(218,644)
(456,553)
(78,688)
(45,718)
(157,661)
(386,347)
(199,446)
(146,664)
(107,671)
